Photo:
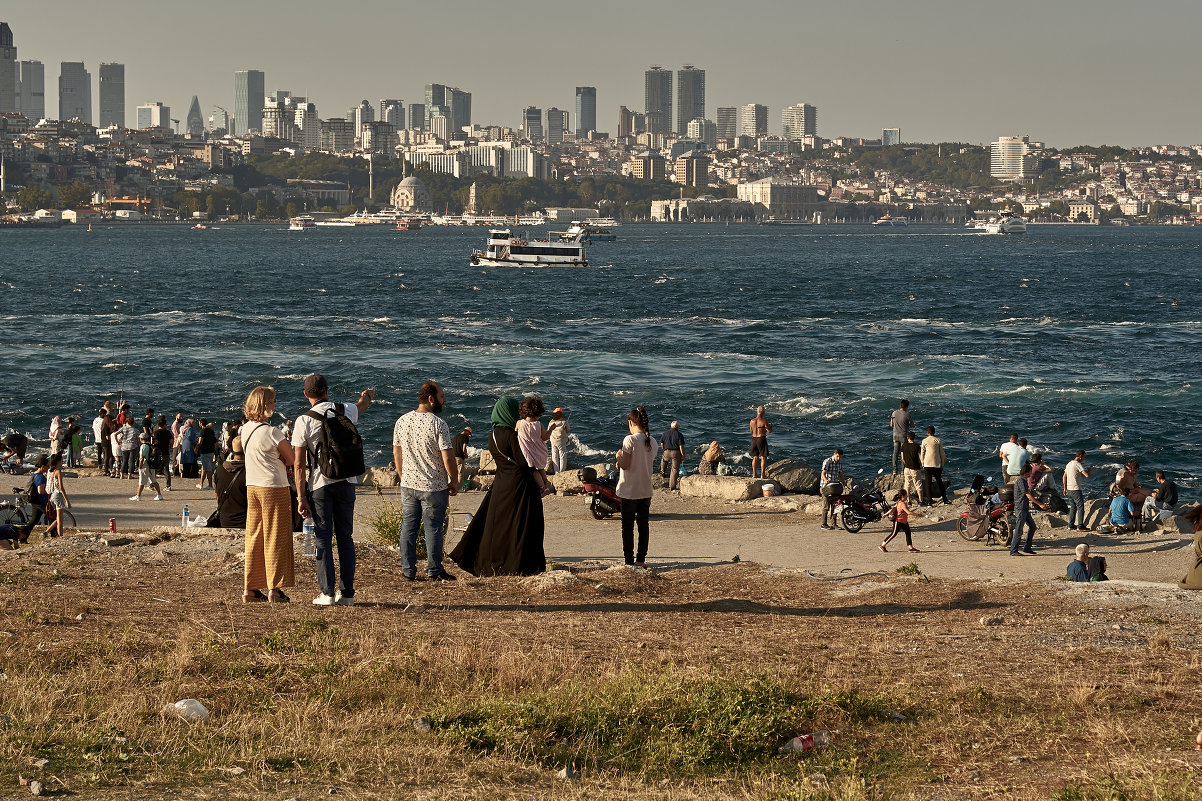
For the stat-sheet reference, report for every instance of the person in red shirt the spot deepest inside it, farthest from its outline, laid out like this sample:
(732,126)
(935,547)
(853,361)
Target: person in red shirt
(901,520)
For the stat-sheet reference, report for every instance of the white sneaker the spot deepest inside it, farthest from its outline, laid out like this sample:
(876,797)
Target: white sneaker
(158,497)
(344,600)
(200,486)
(135,498)
(323,600)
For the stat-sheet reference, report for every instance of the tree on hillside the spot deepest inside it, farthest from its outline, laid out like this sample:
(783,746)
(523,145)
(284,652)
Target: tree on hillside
(31,198)
(74,195)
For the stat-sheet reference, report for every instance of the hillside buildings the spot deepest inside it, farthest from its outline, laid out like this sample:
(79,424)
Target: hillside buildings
(154,115)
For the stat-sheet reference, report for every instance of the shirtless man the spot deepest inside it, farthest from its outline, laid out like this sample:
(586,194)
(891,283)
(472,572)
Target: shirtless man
(760,429)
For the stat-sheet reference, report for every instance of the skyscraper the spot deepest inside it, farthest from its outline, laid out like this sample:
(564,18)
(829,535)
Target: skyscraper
(1014,158)
(154,115)
(799,120)
(196,120)
(393,113)
(417,116)
(690,96)
(754,120)
(32,93)
(557,125)
(308,126)
(890,136)
(657,100)
(248,101)
(703,130)
(112,96)
(436,101)
(532,123)
(586,110)
(8,71)
(727,122)
(625,122)
(461,113)
(74,92)
(364,114)
(455,104)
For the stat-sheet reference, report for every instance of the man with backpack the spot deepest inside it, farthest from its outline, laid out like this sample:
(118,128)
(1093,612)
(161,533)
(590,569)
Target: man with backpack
(329,461)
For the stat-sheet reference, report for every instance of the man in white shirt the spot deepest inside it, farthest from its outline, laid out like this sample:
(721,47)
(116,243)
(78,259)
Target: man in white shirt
(1074,472)
(933,458)
(421,451)
(331,503)
(1014,456)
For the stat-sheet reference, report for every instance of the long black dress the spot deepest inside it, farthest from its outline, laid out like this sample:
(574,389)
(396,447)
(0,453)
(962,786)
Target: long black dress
(506,535)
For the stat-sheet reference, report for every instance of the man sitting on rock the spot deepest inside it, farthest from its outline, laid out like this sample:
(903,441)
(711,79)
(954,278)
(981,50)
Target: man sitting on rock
(1078,569)
(1163,499)
(1123,515)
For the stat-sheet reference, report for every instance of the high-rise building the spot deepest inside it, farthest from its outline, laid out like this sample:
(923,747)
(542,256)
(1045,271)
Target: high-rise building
(557,125)
(727,122)
(337,135)
(364,113)
(692,169)
(532,123)
(154,115)
(798,121)
(8,71)
(1014,158)
(248,102)
(701,130)
(219,121)
(461,113)
(417,116)
(586,110)
(308,126)
(112,96)
(440,124)
(74,92)
(393,113)
(32,90)
(454,104)
(690,96)
(194,124)
(625,122)
(753,120)
(890,136)
(657,100)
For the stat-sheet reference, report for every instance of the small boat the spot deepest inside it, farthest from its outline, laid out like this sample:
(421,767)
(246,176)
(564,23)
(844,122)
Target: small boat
(408,225)
(201,227)
(587,232)
(891,222)
(505,250)
(301,223)
(1006,224)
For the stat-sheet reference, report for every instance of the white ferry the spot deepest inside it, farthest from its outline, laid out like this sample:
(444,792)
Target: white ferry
(586,231)
(505,250)
(301,223)
(1006,224)
(891,222)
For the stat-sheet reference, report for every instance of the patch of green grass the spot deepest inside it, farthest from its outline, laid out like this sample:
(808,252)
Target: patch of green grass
(1164,786)
(385,524)
(909,570)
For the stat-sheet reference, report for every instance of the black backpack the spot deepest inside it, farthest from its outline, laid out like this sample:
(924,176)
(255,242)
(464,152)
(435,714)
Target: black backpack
(339,452)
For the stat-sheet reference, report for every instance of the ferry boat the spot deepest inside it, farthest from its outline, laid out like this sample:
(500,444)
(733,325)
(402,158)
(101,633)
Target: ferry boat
(505,250)
(587,232)
(408,225)
(334,224)
(1006,224)
(891,222)
(301,223)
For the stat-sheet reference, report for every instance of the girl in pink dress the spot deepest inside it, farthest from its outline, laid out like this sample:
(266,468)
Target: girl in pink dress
(533,439)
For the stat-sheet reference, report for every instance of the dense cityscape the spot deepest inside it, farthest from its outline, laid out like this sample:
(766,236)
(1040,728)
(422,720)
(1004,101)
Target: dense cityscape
(271,154)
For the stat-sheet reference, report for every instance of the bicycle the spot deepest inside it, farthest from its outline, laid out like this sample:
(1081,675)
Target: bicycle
(18,512)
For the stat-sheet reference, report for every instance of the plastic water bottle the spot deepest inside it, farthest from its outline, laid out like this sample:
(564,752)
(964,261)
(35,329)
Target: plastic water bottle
(184,516)
(308,538)
(806,742)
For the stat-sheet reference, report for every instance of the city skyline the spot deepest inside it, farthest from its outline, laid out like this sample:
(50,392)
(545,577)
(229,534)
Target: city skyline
(939,70)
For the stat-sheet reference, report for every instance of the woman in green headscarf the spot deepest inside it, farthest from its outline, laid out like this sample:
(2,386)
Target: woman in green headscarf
(506,535)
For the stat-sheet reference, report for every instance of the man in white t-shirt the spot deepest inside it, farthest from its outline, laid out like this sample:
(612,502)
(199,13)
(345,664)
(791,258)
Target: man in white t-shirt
(421,451)
(1014,456)
(1074,472)
(331,503)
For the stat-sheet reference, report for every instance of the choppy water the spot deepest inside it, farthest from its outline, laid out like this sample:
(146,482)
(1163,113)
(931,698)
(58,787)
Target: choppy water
(1071,336)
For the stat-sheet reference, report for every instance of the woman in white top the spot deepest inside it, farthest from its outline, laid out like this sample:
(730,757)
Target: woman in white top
(269,558)
(58,494)
(635,461)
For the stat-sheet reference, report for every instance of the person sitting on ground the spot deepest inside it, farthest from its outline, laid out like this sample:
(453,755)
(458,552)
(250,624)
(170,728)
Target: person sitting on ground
(13,447)
(714,456)
(1044,486)
(1193,577)
(1078,569)
(1163,500)
(1097,568)
(9,536)
(1123,514)
(1127,482)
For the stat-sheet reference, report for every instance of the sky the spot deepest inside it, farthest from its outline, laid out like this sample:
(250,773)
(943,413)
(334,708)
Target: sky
(1063,72)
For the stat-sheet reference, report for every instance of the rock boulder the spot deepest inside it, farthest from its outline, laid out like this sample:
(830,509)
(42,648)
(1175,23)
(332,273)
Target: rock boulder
(383,477)
(726,488)
(566,483)
(794,475)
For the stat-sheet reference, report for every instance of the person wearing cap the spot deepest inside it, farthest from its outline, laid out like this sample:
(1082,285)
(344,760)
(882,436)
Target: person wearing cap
(673,445)
(559,428)
(459,448)
(146,474)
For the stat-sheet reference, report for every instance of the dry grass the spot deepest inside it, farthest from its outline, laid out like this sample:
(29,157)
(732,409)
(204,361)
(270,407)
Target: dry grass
(676,687)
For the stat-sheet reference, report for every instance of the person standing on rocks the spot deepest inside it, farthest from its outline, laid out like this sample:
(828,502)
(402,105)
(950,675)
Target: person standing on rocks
(560,430)
(421,451)
(933,459)
(330,502)
(1014,456)
(831,482)
(672,444)
(1074,474)
(760,429)
(902,423)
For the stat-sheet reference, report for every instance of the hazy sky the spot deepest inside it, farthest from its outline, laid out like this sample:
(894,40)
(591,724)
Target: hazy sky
(1099,72)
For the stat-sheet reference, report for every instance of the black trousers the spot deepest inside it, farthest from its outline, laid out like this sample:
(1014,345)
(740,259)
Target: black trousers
(933,474)
(635,511)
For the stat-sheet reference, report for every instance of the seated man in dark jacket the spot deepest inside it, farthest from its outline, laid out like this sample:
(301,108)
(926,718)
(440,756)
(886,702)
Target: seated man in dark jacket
(229,481)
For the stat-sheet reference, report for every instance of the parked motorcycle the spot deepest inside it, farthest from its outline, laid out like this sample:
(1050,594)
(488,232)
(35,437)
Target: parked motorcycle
(599,492)
(863,503)
(988,514)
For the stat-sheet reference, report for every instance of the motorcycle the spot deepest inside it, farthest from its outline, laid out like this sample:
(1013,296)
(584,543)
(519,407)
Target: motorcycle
(863,503)
(988,514)
(599,492)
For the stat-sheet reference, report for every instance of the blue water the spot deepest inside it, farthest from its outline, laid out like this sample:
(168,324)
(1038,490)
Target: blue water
(1071,336)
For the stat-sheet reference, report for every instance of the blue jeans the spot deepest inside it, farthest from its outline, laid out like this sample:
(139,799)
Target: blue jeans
(1076,507)
(334,520)
(428,509)
(1022,517)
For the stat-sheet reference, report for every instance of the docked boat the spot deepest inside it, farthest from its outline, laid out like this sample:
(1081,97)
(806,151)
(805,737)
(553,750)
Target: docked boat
(774,220)
(408,225)
(301,223)
(334,224)
(586,231)
(891,222)
(506,250)
(1006,224)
